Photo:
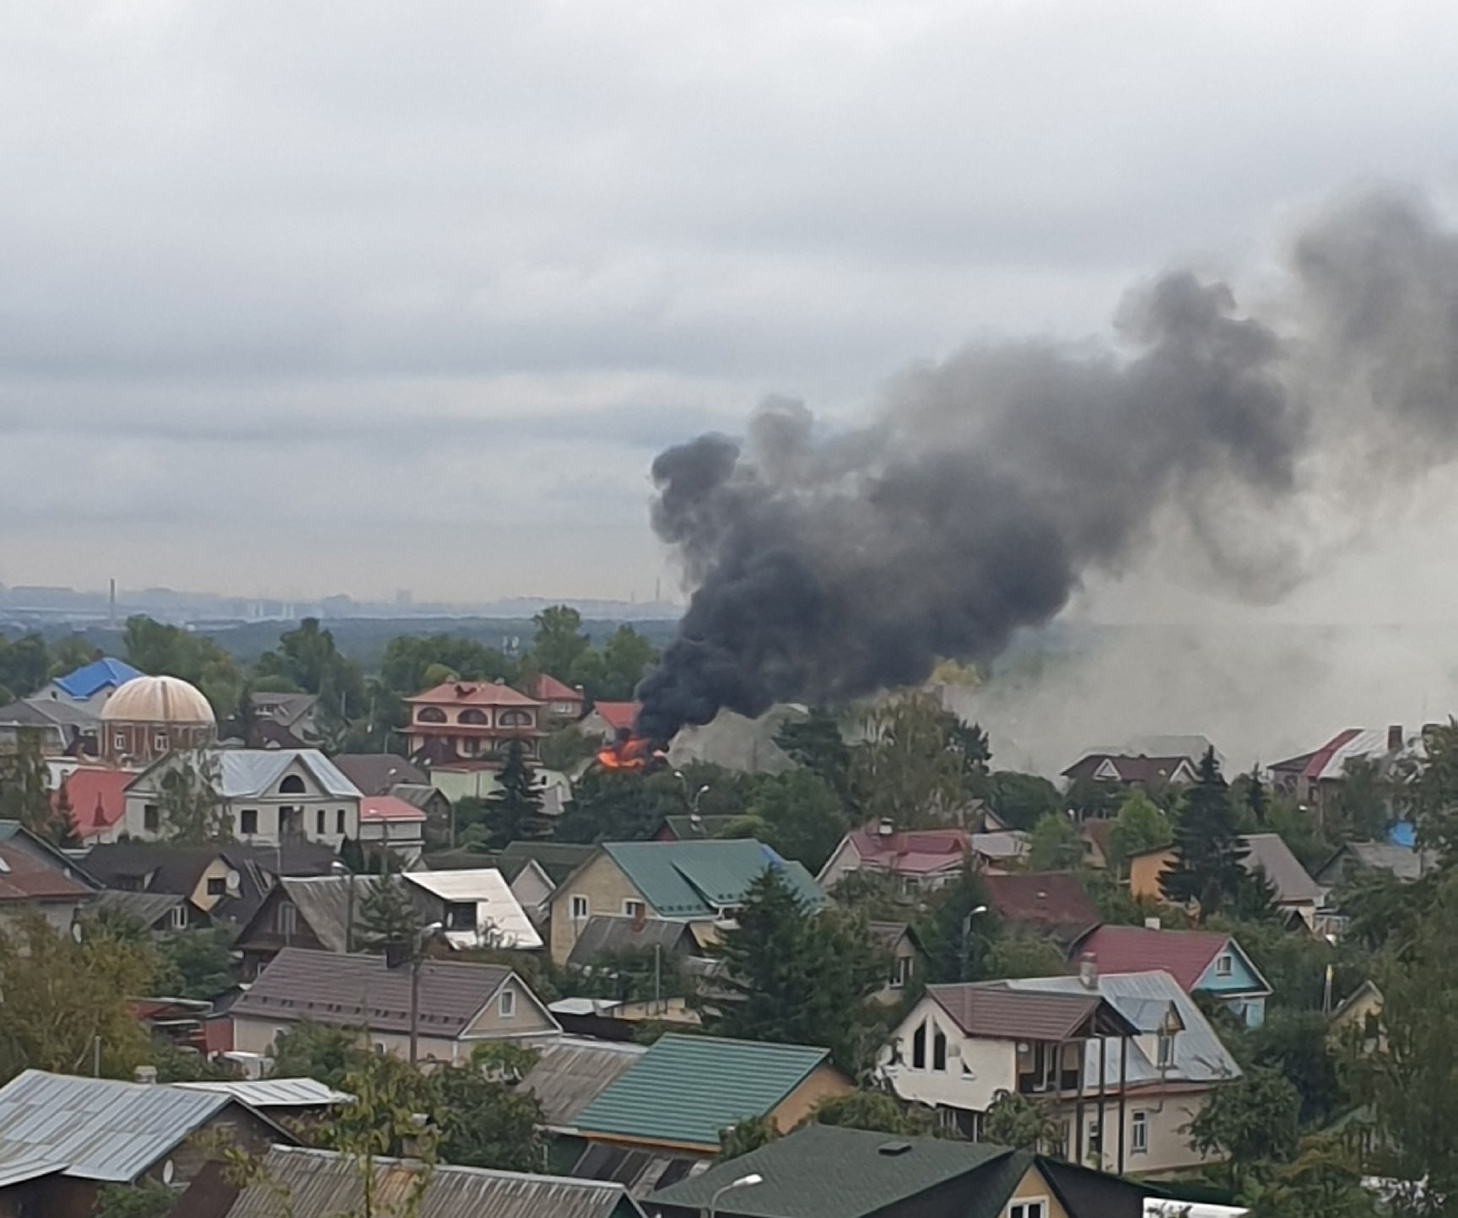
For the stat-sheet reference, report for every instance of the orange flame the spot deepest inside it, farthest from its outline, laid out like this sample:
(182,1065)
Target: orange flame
(630,752)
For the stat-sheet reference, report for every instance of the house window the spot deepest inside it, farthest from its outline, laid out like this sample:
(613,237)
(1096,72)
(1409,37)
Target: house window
(1095,1138)
(918,1048)
(319,822)
(579,908)
(939,1049)
(1028,1209)
(634,909)
(248,822)
(291,785)
(151,818)
(1224,965)
(506,1004)
(1139,1133)
(177,918)
(217,886)
(473,717)
(339,822)
(514,719)
(460,915)
(159,742)
(287,920)
(430,714)
(901,973)
(1165,1051)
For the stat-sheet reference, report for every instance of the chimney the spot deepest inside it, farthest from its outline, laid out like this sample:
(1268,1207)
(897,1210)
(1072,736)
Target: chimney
(1394,738)
(1088,971)
(147,1075)
(1153,924)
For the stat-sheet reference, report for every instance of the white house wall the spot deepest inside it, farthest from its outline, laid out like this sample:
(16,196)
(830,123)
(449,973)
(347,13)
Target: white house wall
(977,1069)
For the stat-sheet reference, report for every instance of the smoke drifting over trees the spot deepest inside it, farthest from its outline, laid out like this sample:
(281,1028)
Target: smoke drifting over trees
(826,566)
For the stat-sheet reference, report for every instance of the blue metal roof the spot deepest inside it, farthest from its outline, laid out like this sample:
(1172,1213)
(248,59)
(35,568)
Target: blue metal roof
(97,675)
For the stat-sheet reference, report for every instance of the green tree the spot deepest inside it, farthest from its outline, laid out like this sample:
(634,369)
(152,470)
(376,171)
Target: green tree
(414,662)
(1053,844)
(799,815)
(878,1111)
(386,914)
(1140,825)
(1294,1044)
(1094,798)
(318,1051)
(25,794)
(1252,1119)
(1323,1181)
(485,1122)
(743,1136)
(1362,809)
(795,976)
(1208,848)
(190,799)
(24,665)
(197,963)
(618,806)
(1433,794)
(71,652)
(955,937)
(626,656)
(514,808)
(1020,799)
(558,644)
(816,743)
(906,769)
(163,650)
(1023,1123)
(148,1198)
(309,658)
(1023,956)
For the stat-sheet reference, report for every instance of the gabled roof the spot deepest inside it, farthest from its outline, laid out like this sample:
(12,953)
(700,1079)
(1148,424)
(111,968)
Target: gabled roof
(34,869)
(1116,767)
(94,1128)
(1404,862)
(914,852)
(266,1093)
(100,674)
(324,903)
(1184,954)
(501,921)
(603,933)
(691,827)
(248,773)
(322,1183)
(379,773)
(96,797)
(829,1171)
(148,908)
(618,714)
(284,709)
(546,688)
(557,859)
(570,1073)
(698,879)
(337,989)
(989,1010)
(1330,760)
(377,809)
(1052,901)
(686,1089)
(1269,853)
(471,693)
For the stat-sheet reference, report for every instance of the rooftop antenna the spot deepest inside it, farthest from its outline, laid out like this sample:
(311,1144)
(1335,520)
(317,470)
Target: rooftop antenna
(111,606)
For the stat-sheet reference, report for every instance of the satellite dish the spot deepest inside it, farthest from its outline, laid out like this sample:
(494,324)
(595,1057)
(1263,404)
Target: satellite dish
(233,881)
(168,1172)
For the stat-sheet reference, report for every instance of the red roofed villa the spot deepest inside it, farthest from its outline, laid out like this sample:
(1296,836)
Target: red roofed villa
(471,721)
(607,719)
(564,704)
(921,859)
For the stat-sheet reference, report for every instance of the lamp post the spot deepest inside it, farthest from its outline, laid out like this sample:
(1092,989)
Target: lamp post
(691,800)
(748,1181)
(967,932)
(339,868)
(417,958)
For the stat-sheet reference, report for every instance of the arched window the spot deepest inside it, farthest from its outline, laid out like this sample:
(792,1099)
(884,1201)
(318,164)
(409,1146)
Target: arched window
(292,785)
(918,1048)
(472,715)
(939,1050)
(430,714)
(515,719)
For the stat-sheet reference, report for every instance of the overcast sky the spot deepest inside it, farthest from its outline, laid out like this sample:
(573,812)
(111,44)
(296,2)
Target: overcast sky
(316,297)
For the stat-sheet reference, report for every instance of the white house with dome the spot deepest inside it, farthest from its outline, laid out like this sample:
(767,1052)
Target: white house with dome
(148,717)
(268,796)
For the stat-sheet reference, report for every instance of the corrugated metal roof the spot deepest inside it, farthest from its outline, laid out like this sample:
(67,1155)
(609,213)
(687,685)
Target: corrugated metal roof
(570,1073)
(500,919)
(697,879)
(146,907)
(324,902)
(274,1092)
(321,1183)
(338,989)
(18,1171)
(992,1011)
(89,678)
(686,1089)
(245,773)
(98,1128)
(1292,882)
(616,933)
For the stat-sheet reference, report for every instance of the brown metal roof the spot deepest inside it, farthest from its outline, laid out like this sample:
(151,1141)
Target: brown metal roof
(332,988)
(996,1013)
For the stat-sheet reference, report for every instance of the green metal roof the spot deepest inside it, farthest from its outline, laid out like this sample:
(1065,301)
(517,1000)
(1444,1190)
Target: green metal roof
(697,879)
(828,1171)
(686,1089)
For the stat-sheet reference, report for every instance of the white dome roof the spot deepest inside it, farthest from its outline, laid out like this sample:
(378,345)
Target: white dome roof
(157,700)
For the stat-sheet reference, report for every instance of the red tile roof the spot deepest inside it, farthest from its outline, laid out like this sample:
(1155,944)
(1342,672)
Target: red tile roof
(915,852)
(996,1013)
(1183,954)
(1310,765)
(24,877)
(547,688)
(1041,899)
(471,693)
(388,808)
(618,714)
(97,798)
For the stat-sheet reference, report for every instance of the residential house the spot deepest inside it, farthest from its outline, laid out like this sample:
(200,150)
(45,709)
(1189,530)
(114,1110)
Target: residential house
(571,1072)
(1355,858)
(90,686)
(95,801)
(907,961)
(440,815)
(698,882)
(458,1005)
(1296,892)
(62,1138)
(58,729)
(563,704)
(379,773)
(829,1171)
(606,721)
(1359,1017)
(388,822)
(673,1103)
(149,717)
(35,877)
(536,868)
(475,907)
(470,721)
(1124,1062)
(324,1183)
(288,721)
(1144,772)
(476,779)
(317,913)
(220,882)
(1315,778)
(1050,905)
(1201,961)
(736,742)
(265,796)
(605,937)
(919,860)
(161,913)
(279,1099)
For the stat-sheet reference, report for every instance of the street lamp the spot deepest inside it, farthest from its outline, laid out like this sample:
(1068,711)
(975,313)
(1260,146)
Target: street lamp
(417,958)
(748,1181)
(967,932)
(339,868)
(691,800)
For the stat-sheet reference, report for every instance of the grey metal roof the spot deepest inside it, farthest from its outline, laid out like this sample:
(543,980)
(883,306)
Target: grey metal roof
(1144,999)
(1269,853)
(274,1092)
(570,1073)
(324,903)
(379,773)
(320,1183)
(148,908)
(245,773)
(95,1128)
(615,933)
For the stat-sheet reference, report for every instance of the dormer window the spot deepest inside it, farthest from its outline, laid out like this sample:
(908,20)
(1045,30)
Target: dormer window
(460,915)
(1224,965)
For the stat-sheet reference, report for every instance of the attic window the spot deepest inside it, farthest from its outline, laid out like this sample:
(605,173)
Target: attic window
(1224,965)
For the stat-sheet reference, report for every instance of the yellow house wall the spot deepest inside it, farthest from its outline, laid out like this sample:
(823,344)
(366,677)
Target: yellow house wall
(605,886)
(527,1020)
(1144,873)
(821,1083)
(216,870)
(1033,1187)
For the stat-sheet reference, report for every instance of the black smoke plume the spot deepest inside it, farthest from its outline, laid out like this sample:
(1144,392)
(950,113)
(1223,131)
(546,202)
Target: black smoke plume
(828,566)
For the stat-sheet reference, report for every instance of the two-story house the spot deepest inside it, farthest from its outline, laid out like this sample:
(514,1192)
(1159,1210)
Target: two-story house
(701,883)
(264,796)
(471,721)
(1201,961)
(1124,1063)
(562,704)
